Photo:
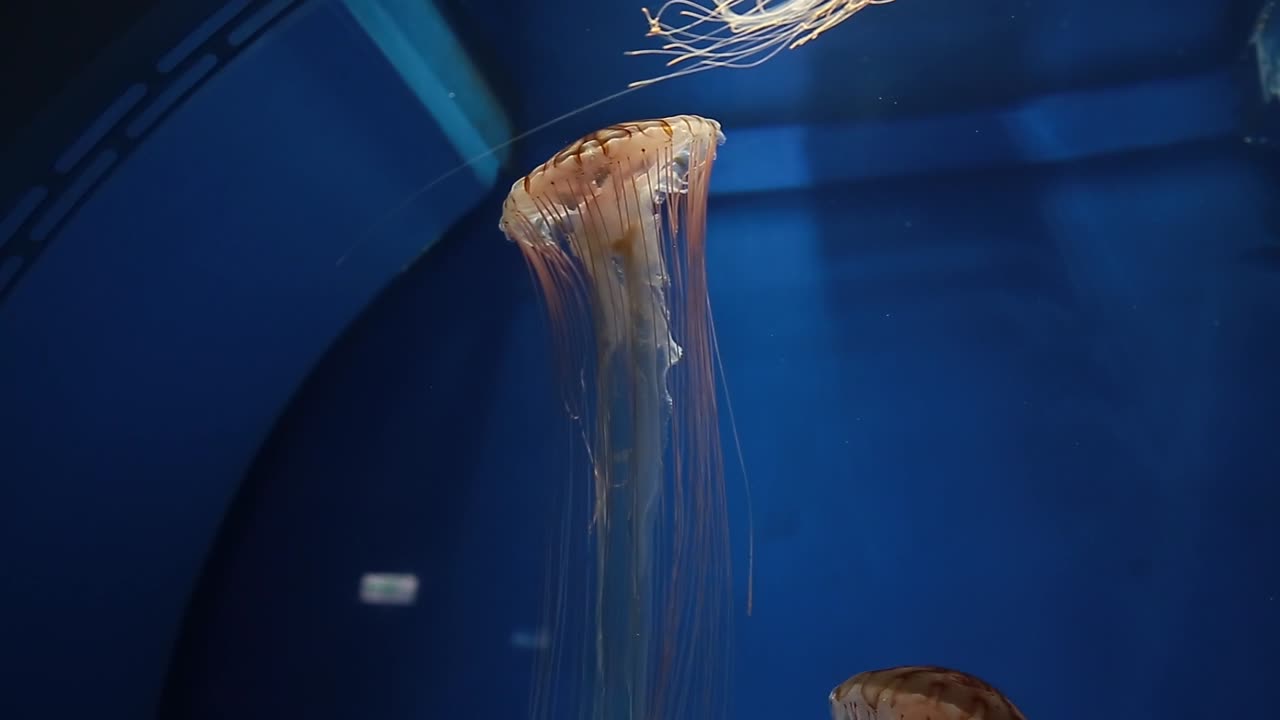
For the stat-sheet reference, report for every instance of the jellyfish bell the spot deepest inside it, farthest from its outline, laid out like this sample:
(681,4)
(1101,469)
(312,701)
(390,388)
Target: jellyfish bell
(919,693)
(738,33)
(613,229)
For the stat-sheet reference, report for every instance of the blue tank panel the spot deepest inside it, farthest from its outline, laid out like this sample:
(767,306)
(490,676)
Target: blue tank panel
(171,302)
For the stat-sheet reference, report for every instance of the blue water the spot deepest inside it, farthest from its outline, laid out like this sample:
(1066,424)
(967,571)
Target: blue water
(997,287)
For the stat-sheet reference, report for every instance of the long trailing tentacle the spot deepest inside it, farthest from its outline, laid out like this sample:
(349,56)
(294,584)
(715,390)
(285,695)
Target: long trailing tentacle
(720,36)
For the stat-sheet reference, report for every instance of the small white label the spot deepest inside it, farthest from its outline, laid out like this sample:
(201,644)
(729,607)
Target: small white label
(388,588)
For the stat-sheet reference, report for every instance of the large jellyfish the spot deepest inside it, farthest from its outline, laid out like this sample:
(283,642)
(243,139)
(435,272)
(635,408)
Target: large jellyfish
(613,229)
(919,693)
(739,33)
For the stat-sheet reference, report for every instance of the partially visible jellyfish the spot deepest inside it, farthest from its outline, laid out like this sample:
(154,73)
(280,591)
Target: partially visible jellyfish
(613,229)
(919,693)
(739,33)
(1266,45)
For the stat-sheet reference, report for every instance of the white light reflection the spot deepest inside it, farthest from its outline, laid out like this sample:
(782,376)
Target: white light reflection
(389,589)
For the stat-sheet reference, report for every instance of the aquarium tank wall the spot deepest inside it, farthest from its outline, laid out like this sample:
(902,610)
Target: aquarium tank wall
(454,359)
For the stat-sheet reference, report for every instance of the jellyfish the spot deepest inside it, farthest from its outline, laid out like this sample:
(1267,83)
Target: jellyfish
(919,693)
(613,230)
(739,33)
(1266,45)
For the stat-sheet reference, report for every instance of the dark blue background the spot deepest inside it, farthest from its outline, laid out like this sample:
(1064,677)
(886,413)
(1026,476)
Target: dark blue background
(997,287)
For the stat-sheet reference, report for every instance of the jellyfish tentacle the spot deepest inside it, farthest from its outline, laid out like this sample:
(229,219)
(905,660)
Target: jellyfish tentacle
(703,38)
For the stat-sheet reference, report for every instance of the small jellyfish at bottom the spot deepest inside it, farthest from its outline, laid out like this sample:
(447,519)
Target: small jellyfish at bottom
(917,692)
